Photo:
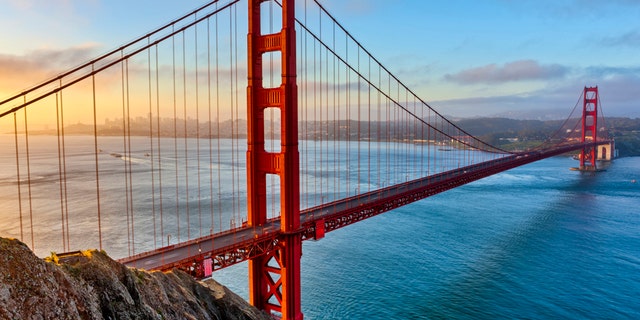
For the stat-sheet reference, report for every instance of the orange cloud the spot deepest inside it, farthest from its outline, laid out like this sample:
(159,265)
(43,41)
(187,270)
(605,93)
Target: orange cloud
(20,72)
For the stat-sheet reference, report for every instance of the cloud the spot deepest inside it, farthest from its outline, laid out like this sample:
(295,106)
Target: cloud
(486,106)
(629,39)
(618,89)
(513,71)
(603,72)
(18,72)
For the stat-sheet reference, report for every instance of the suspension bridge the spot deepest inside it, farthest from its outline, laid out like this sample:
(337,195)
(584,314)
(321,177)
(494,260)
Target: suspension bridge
(192,148)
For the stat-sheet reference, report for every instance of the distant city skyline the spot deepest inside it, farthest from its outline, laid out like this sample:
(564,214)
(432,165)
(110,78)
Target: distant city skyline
(528,59)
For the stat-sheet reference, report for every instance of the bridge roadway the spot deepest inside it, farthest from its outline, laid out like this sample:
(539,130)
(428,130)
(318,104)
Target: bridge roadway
(240,244)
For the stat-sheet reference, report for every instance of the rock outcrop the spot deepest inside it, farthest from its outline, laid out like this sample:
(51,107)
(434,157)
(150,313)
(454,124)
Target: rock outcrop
(90,285)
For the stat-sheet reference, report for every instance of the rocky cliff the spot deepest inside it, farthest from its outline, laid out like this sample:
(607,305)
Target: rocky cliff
(90,285)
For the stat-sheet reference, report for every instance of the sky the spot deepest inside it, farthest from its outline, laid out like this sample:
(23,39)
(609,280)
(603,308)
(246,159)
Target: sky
(525,59)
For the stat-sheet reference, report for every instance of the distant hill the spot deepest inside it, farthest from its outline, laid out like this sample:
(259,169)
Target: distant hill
(486,126)
(504,131)
(499,131)
(544,115)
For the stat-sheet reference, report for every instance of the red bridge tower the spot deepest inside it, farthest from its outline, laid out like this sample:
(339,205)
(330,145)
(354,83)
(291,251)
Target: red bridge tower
(589,128)
(274,278)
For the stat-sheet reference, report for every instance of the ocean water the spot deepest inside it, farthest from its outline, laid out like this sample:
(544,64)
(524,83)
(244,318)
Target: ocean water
(535,242)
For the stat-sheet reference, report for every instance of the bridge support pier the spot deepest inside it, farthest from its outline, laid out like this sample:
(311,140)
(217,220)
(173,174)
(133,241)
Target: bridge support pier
(606,152)
(274,278)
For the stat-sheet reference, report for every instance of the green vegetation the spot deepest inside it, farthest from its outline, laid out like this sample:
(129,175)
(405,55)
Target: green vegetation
(513,134)
(628,144)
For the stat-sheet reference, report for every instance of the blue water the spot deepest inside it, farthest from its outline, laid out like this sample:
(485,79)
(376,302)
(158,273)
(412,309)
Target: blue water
(535,242)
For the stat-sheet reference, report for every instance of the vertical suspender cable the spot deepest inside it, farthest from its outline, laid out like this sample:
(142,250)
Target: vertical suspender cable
(128,162)
(64,171)
(406,141)
(237,103)
(186,141)
(61,186)
(153,178)
(210,129)
(313,122)
(175,135)
(403,137)
(319,131)
(417,136)
(218,125)
(326,130)
(124,148)
(379,127)
(359,107)
(369,137)
(26,137)
(15,136)
(397,134)
(422,143)
(304,74)
(390,133)
(336,118)
(95,152)
(158,148)
(233,128)
(348,116)
(198,129)
(429,143)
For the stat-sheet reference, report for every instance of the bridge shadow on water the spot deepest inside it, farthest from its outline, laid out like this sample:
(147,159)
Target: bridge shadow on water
(532,271)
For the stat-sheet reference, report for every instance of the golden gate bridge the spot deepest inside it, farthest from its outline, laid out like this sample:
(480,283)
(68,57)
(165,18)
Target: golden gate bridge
(192,148)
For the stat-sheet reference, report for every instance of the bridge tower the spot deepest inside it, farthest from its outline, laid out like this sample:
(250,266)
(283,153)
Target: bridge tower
(589,128)
(274,278)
